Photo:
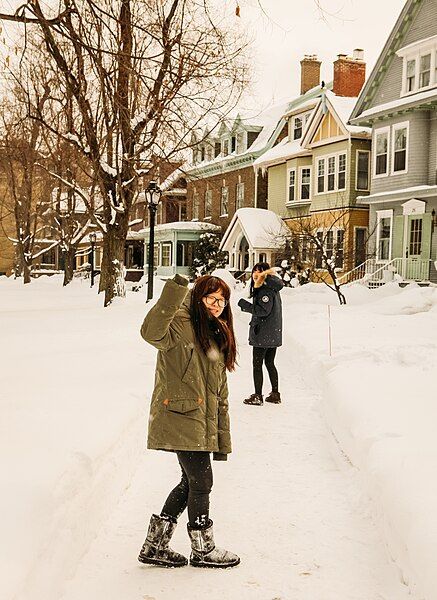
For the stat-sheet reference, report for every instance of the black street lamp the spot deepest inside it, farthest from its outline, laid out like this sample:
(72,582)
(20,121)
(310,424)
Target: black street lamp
(153,196)
(93,238)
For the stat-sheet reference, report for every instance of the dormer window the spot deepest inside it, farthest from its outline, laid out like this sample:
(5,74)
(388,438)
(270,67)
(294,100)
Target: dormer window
(297,128)
(425,70)
(202,153)
(411,75)
(217,149)
(233,143)
(420,65)
(240,142)
(225,147)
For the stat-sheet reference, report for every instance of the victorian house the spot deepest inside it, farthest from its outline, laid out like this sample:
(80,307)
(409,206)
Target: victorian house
(399,103)
(319,173)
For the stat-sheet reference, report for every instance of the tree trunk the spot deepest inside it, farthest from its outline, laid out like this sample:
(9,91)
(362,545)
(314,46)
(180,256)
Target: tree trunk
(113,270)
(26,272)
(69,258)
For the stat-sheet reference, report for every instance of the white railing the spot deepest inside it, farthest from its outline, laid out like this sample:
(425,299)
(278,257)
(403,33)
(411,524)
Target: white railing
(372,272)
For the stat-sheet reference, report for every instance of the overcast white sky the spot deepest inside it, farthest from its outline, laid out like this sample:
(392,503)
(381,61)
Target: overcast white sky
(295,28)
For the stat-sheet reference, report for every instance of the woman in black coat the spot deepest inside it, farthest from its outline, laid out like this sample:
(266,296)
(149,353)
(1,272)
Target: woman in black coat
(265,333)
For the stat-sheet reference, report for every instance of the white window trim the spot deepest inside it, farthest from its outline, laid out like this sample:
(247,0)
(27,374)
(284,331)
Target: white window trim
(334,240)
(384,214)
(319,159)
(396,126)
(221,200)
(377,132)
(239,186)
(336,189)
(300,183)
(209,192)
(166,245)
(414,52)
(289,202)
(357,189)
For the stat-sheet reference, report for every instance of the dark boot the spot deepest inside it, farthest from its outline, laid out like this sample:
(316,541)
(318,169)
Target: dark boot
(204,552)
(155,550)
(254,400)
(274,398)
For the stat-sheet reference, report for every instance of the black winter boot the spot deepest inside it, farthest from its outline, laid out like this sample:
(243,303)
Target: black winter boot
(155,550)
(254,400)
(204,552)
(274,398)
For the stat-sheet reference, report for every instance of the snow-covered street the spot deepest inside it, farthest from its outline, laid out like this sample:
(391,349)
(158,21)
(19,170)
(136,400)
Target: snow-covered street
(79,487)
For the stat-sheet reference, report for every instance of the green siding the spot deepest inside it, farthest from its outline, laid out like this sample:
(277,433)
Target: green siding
(398,237)
(277,189)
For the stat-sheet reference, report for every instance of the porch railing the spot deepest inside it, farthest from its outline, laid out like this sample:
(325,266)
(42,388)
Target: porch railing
(376,273)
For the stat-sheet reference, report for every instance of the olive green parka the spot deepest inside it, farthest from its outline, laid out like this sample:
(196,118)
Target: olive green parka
(189,407)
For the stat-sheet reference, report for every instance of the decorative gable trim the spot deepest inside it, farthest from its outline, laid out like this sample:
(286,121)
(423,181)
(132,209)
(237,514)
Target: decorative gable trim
(392,44)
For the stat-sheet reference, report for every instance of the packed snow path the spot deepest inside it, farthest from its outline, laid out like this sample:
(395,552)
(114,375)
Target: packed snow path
(286,501)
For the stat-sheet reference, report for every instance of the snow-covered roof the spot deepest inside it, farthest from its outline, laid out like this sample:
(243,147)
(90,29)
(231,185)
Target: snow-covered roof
(184,225)
(172,178)
(429,95)
(79,205)
(401,194)
(262,228)
(279,153)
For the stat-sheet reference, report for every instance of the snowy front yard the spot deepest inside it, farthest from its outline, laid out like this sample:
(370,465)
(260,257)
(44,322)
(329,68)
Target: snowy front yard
(78,486)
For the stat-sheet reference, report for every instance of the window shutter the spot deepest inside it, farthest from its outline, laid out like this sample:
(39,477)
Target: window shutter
(426,236)
(398,237)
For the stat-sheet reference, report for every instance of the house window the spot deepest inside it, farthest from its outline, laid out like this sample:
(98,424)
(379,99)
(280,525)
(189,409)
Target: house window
(166,255)
(363,170)
(239,196)
(383,234)
(291,185)
(224,201)
(208,203)
(240,142)
(217,149)
(381,153)
(400,134)
(339,249)
(225,147)
(425,70)
(195,205)
(415,237)
(202,153)
(331,173)
(233,143)
(305,184)
(411,75)
(297,128)
(321,175)
(319,250)
(342,171)
(329,244)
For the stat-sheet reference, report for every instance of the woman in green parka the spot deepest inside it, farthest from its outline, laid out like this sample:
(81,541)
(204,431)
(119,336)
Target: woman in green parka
(193,332)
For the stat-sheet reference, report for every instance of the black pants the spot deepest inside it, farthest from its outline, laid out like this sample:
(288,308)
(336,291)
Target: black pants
(193,489)
(267,356)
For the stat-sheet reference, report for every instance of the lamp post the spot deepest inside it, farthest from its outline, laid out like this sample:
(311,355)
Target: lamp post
(93,238)
(153,196)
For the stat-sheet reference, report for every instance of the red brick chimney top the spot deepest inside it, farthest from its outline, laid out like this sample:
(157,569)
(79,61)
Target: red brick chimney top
(349,74)
(310,72)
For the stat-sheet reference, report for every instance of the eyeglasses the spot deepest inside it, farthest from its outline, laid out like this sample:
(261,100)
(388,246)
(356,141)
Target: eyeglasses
(212,300)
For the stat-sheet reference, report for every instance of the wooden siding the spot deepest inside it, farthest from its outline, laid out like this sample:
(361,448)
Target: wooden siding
(423,26)
(328,128)
(418,154)
(277,187)
(432,161)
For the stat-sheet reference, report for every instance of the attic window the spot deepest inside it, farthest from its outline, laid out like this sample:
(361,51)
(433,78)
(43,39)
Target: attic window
(425,70)
(297,128)
(233,143)
(217,149)
(225,147)
(419,68)
(202,153)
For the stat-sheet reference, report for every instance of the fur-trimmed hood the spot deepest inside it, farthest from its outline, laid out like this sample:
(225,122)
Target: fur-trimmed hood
(270,278)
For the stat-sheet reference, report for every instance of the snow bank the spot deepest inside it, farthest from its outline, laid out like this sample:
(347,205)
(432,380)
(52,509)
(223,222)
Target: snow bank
(379,391)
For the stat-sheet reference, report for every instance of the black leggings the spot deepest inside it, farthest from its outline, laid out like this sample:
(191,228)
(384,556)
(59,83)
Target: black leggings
(193,489)
(267,355)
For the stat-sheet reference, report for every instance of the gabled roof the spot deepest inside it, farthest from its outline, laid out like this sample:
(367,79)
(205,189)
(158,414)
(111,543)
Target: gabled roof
(262,228)
(270,122)
(341,108)
(392,44)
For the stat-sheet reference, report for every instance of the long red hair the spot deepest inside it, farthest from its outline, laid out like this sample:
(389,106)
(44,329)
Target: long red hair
(202,319)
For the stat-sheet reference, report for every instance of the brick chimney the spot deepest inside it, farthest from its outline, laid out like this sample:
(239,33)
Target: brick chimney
(309,73)
(349,74)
